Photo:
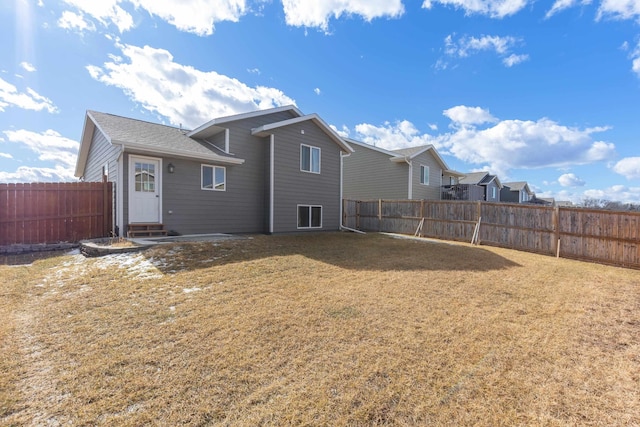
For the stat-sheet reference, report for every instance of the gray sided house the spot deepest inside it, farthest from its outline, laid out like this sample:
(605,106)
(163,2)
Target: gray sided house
(478,186)
(269,171)
(516,192)
(414,173)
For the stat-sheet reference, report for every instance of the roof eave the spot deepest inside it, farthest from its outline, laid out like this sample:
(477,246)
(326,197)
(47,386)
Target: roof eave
(180,153)
(266,130)
(221,120)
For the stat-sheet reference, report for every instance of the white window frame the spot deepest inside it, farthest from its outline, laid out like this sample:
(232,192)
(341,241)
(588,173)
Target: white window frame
(213,176)
(311,149)
(310,217)
(493,192)
(423,169)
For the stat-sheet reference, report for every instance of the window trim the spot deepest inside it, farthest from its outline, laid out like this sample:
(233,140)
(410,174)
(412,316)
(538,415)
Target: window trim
(213,184)
(311,148)
(310,227)
(424,168)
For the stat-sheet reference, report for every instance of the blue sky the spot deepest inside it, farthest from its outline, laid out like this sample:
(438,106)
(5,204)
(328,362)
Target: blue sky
(543,92)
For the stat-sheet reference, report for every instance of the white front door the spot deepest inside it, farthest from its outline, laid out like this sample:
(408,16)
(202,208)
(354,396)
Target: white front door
(145,186)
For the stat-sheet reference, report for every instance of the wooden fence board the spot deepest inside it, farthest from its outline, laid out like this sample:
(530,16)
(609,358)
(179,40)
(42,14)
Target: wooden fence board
(54,212)
(609,237)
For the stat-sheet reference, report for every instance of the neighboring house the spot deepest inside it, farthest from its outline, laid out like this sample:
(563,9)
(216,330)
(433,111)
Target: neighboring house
(516,192)
(268,171)
(413,173)
(477,186)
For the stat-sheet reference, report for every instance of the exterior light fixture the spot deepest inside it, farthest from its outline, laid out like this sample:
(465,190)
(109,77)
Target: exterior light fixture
(171,168)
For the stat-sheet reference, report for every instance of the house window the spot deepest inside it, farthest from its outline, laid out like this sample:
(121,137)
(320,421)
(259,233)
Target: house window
(424,175)
(493,192)
(309,158)
(145,177)
(309,216)
(214,178)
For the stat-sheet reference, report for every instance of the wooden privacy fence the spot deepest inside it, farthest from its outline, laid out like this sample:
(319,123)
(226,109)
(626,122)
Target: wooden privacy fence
(54,212)
(609,237)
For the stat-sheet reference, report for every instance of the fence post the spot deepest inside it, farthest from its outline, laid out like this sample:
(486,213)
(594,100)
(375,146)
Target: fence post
(422,216)
(358,215)
(556,231)
(379,214)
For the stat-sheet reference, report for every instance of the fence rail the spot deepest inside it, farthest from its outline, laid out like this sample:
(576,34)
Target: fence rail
(34,213)
(608,237)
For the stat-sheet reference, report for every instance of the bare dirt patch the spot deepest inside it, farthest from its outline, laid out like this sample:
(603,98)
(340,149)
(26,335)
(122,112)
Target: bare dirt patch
(324,329)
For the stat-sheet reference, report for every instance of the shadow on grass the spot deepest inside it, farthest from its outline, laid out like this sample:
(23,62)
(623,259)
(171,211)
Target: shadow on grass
(371,252)
(27,258)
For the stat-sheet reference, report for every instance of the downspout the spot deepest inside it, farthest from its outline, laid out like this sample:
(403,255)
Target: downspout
(226,141)
(410,188)
(271,180)
(342,156)
(120,193)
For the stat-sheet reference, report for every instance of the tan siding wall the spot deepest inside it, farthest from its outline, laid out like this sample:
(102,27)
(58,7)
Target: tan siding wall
(431,191)
(369,174)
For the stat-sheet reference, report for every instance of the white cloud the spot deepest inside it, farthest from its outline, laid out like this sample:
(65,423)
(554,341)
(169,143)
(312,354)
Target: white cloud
(492,8)
(75,22)
(635,58)
(254,71)
(514,59)
(104,11)
(316,13)
(501,147)
(6,155)
(465,46)
(317,91)
(402,134)
(619,9)
(570,180)
(463,115)
(179,92)
(29,100)
(628,167)
(50,147)
(561,5)
(27,66)
(617,193)
(194,16)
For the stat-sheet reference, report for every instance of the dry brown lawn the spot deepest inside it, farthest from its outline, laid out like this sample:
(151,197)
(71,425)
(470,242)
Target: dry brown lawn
(327,329)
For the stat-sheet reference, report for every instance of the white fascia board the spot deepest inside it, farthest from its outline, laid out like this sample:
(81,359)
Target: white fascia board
(453,173)
(220,120)
(88,128)
(181,153)
(374,148)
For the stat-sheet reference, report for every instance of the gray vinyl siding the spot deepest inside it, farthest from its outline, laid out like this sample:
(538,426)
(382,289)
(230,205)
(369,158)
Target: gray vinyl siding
(488,190)
(370,175)
(101,152)
(242,207)
(431,191)
(294,187)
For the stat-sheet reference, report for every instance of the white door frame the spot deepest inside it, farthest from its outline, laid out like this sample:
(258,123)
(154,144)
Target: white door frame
(131,179)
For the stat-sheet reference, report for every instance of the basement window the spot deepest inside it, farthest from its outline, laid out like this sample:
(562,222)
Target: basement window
(309,216)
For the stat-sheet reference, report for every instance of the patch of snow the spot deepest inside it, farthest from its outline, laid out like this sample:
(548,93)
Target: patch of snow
(189,290)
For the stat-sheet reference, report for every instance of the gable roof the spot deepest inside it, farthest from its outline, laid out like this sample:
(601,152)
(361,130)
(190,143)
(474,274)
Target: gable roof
(404,154)
(480,178)
(213,127)
(145,136)
(518,186)
(473,178)
(265,130)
